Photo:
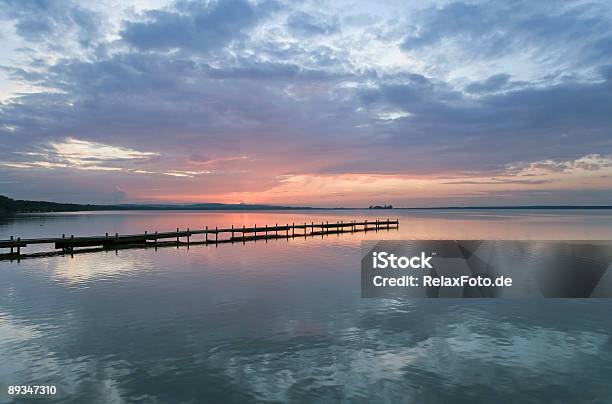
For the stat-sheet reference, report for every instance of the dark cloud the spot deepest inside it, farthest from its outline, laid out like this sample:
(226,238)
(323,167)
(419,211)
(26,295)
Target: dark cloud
(195,25)
(49,20)
(494,83)
(606,73)
(483,134)
(156,102)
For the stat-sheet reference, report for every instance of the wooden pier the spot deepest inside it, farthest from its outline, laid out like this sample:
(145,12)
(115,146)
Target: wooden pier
(73,245)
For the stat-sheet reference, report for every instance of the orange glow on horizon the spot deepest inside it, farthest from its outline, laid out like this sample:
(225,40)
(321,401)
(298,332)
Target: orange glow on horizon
(358,190)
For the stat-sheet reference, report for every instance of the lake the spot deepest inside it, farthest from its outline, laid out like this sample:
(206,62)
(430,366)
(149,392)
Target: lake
(283,320)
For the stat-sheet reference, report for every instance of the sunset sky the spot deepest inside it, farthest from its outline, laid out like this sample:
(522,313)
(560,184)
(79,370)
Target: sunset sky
(320,103)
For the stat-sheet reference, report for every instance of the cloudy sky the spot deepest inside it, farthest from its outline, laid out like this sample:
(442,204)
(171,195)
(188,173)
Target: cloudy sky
(322,103)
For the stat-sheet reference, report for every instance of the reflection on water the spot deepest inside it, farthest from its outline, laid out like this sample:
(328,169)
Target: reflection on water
(283,320)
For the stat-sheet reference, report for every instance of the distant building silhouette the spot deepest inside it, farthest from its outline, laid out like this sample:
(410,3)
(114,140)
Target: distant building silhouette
(381,207)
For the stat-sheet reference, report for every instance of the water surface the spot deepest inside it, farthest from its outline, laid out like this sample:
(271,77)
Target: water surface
(283,320)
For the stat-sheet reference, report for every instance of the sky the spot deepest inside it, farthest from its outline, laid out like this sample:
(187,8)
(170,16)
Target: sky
(310,103)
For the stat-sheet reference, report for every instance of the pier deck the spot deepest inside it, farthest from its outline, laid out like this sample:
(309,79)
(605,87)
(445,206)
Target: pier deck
(73,245)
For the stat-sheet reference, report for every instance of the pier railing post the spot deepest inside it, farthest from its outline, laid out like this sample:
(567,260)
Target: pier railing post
(216,235)
(232,231)
(12,245)
(206,234)
(18,247)
(293,230)
(155,240)
(255,230)
(188,237)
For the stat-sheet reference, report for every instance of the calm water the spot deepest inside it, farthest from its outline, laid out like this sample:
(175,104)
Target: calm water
(283,320)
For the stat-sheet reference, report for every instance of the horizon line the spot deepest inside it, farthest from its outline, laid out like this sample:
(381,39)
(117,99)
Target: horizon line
(169,206)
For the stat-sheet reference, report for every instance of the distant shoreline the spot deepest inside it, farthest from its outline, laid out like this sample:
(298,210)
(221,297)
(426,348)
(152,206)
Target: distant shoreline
(525,207)
(11,206)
